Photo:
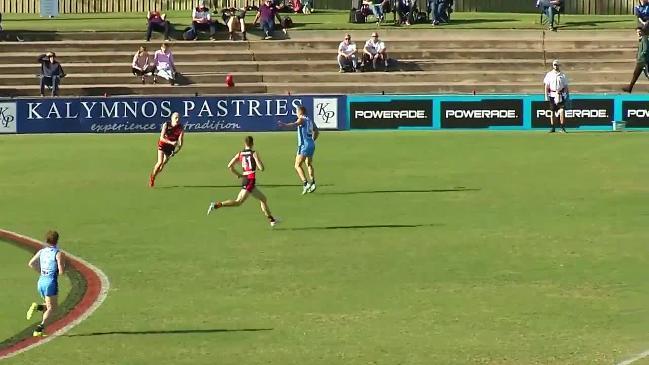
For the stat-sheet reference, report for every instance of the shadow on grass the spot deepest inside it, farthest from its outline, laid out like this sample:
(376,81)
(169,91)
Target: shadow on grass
(478,21)
(458,189)
(264,186)
(589,23)
(360,226)
(170,332)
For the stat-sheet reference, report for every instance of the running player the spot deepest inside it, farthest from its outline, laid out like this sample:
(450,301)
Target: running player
(49,263)
(250,162)
(307,133)
(170,143)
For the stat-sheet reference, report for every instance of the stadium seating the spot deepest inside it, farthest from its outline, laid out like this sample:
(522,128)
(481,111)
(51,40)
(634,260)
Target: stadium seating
(436,61)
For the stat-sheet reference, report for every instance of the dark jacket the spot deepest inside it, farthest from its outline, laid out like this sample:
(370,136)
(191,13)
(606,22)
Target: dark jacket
(643,50)
(49,69)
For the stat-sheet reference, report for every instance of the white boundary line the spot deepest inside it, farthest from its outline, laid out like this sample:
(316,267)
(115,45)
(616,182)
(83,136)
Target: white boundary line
(637,357)
(103,293)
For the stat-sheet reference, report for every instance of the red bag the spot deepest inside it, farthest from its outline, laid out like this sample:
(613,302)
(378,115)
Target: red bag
(229,81)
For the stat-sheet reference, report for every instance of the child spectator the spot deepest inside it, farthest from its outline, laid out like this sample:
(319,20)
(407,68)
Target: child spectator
(142,64)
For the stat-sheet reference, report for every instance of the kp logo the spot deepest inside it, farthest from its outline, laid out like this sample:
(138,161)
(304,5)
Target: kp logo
(326,113)
(7,117)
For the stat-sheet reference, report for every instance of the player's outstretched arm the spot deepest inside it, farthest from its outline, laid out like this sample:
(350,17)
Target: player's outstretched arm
(260,165)
(33,263)
(233,161)
(299,121)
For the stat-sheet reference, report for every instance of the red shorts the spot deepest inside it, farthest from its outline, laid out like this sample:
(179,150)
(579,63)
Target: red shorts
(166,148)
(248,183)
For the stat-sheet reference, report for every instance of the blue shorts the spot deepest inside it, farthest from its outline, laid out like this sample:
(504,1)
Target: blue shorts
(48,287)
(306,150)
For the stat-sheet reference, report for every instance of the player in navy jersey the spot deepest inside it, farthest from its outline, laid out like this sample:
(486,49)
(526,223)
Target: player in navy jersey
(49,263)
(169,144)
(250,162)
(307,133)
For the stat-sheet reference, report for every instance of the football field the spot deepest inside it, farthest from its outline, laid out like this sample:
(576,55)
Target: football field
(417,248)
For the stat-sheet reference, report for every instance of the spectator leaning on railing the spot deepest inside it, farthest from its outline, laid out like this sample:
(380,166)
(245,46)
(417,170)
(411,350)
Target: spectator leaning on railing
(641,11)
(51,73)
(142,64)
(164,64)
(202,20)
(159,23)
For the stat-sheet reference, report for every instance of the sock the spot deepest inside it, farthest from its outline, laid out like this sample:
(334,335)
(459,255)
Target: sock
(218,205)
(40,328)
(41,308)
(271,218)
(313,182)
(305,183)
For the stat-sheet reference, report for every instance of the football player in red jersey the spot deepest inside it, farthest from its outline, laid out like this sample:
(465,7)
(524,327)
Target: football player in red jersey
(250,162)
(170,143)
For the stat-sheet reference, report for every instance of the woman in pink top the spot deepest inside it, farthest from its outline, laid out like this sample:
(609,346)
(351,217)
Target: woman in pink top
(164,64)
(141,66)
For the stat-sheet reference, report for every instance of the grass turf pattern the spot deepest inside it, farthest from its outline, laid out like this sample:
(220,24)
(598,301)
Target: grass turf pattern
(417,248)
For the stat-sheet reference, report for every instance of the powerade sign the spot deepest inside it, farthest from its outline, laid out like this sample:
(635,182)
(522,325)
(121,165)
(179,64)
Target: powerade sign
(198,114)
(391,114)
(578,112)
(636,114)
(482,113)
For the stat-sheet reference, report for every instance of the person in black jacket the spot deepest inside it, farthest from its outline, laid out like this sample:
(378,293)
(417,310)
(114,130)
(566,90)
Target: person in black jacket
(51,73)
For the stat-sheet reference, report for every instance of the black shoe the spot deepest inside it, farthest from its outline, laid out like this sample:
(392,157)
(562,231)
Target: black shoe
(627,89)
(563,130)
(244,37)
(552,130)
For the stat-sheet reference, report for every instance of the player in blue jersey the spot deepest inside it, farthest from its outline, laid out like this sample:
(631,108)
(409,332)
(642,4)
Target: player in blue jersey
(307,133)
(49,263)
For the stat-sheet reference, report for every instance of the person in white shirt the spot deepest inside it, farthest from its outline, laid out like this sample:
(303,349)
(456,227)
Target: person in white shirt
(556,91)
(202,20)
(375,51)
(347,54)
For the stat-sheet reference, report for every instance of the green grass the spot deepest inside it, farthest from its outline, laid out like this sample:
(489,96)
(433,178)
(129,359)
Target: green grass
(18,290)
(538,259)
(321,20)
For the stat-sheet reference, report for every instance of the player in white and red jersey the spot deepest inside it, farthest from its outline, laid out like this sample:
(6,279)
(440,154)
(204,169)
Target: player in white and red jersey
(250,162)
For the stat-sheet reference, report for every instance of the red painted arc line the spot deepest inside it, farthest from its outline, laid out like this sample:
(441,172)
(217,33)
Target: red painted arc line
(96,289)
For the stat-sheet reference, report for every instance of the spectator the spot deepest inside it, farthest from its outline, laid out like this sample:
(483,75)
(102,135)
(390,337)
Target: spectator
(642,58)
(235,18)
(374,51)
(377,9)
(159,23)
(51,73)
(642,12)
(202,20)
(347,54)
(550,8)
(266,15)
(164,64)
(297,6)
(405,10)
(142,64)
(440,11)
(307,6)
(555,84)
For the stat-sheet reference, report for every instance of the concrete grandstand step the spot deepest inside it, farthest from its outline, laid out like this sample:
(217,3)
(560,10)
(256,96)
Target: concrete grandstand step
(310,55)
(191,78)
(129,45)
(318,88)
(115,90)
